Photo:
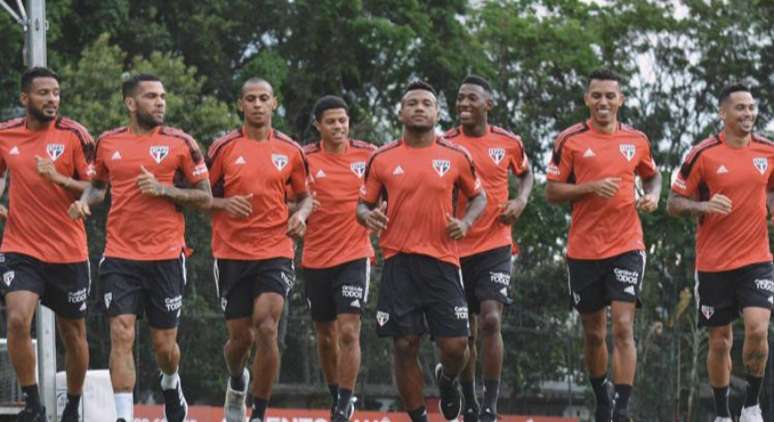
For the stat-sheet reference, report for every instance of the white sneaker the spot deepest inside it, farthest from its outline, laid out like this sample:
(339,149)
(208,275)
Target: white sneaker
(719,419)
(234,407)
(751,414)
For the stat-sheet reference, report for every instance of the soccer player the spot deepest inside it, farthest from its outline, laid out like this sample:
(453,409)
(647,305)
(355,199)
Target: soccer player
(486,251)
(409,189)
(593,167)
(50,159)
(252,243)
(337,250)
(724,181)
(143,271)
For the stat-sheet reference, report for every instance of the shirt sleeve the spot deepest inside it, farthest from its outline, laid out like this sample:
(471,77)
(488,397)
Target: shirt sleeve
(372,186)
(646,168)
(688,176)
(215,169)
(518,161)
(299,174)
(770,185)
(468,180)
(101,172)
(84,158)
(193,165)
(561,164)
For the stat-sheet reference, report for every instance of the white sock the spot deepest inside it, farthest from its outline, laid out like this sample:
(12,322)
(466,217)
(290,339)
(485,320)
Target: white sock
(124,406)
(169,381)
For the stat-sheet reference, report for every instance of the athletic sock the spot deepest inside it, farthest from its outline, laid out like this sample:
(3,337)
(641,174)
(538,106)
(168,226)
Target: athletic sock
(345,396)
(259,408)
(753,387)
(418,415)
(445,380)
(334,389)
(169,381)
(237,382)
(622,394)
(721,402)
(124,406)
(491,393)
(599,385)
(469,393)
(31,396)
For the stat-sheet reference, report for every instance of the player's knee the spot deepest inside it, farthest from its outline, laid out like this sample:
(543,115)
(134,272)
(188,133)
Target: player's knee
(72,335)
(406,348)
(18,324)
(121,337)
(490,323)
(349,335)
(454,349)
(757,334)
(164,348)
(623,333)
(720,344)
(267,330)
(595,338)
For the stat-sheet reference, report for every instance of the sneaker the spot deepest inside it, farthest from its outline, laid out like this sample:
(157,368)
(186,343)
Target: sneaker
(470,414)
(32,415)
(345,415)
(751,414)
(234,406)
(719,419)
(604,412)
(120,420)
(175,406)
(623,417)
(487,415)
(451,398)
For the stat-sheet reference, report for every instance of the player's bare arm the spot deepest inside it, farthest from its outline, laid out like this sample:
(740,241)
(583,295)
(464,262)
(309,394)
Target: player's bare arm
(458,228)
(3,182)
(681,205)
(651,188)
(297,221)
(200,195)
(47,170)
(372,217)
(558,192)
(511,210)
(93,194)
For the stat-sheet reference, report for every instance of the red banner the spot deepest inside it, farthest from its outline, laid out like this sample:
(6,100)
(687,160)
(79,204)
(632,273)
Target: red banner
(143,413)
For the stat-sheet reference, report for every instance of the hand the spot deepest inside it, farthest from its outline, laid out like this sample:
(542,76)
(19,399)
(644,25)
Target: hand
(239,206)
(47,169)
(3,212)
(647,203)
(296,226)
(78,210)
(510,211)
(607,187)
(456,228)
(377,218)
(718,204)
(148,184)
(315,202)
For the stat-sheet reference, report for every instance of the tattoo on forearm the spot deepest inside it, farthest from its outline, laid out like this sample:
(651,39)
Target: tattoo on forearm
(199,194)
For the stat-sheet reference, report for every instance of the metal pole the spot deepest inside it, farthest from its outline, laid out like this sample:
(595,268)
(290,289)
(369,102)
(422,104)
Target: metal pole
(36,56)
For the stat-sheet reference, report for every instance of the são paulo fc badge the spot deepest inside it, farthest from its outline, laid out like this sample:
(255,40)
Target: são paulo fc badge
(628,151)
(761,164)
(279,160)
(358,167)
(441,166)
(159,152)
(497,154)
(55,151)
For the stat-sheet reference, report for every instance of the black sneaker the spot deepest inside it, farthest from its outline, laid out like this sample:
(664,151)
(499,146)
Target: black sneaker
(604,412)
(470,414)
(344,415)
(622,416)
(487,415)
(175,406)
(451,398)
(120,420)
(70,414)
(32,415)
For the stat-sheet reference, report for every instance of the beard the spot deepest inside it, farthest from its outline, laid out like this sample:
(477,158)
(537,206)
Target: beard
(147,120)
(419,128)
(39,115)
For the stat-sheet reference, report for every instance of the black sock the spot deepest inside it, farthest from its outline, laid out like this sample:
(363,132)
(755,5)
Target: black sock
(753,387)
(237,382)
(73,400)
(622,394)
(345,396)
(445,380)
(721,402)
(418,415)
(31,396)
(259,408)
(469,394)
(599,385)
(334,389)
(491,393)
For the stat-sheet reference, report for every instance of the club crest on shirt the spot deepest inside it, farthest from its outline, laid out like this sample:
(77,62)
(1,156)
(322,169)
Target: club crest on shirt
(279,160)
(55,151)
(497,154)
(358,167)
(441,166)
(159,152)
(628,151)
(761,164)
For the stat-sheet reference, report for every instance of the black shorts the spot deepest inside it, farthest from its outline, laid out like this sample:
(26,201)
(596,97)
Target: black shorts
(239,282)
(342,289)
(594,283)
(61,287)
(722,295)
(418,291)
(487,276)
(152,288)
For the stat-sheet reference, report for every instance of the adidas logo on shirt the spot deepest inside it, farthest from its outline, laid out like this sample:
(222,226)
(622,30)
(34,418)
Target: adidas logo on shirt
(320,173)
(589,153)
(14,151)
(116,156)
(240,161)
(398,170)
(722,169)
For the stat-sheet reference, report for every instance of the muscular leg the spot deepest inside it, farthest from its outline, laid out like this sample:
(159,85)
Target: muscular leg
(492,347)
(166,350)
(348,328)
(594,342)
(20,308)
(408,373)
(719,366)
(237,349)
(755,350)
(122,372)
(267,310)
(73,335)
(624,353)
(328,349)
